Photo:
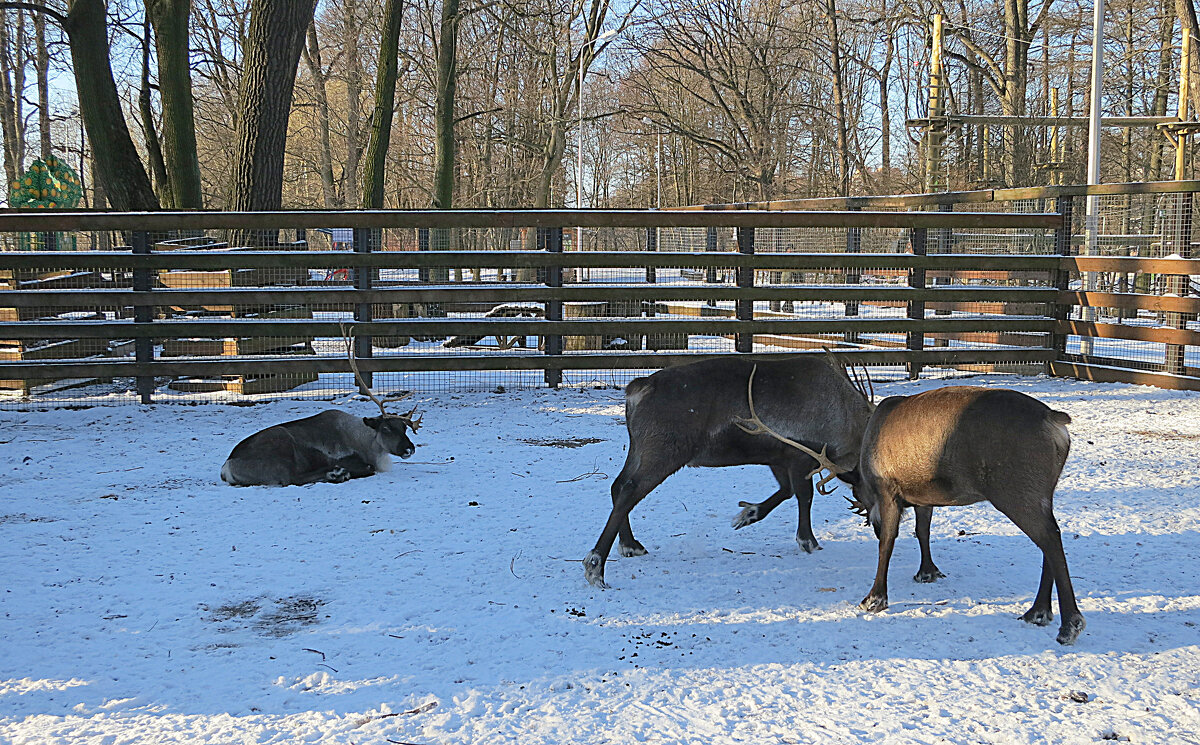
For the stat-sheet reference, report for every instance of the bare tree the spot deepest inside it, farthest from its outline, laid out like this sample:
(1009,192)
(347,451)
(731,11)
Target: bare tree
(171,42)
(270,55)
(386,75)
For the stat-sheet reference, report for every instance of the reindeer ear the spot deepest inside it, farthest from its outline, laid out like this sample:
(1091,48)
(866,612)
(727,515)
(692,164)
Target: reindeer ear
(373,421)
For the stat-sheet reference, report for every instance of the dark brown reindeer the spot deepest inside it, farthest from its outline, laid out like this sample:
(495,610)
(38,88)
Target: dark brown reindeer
(958,446)
(332,446)
(688,416)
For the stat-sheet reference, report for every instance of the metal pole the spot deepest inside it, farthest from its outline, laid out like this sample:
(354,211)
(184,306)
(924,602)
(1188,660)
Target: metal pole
(1092,217)
(658,166)
(579,155)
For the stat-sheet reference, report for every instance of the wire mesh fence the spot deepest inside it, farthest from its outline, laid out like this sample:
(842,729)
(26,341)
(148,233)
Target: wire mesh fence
(411,297)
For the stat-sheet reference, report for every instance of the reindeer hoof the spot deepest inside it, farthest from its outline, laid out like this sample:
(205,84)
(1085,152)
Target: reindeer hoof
(928,575)
(1069,631)
(633,549)
(337,475)
(593,569)
(748,516)
(808,545)
(1038,616)
(873,604)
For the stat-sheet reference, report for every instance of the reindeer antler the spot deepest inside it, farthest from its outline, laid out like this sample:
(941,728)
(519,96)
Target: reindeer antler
(863,384)
(755,426)
(362,384)
(413,424)
(858,507)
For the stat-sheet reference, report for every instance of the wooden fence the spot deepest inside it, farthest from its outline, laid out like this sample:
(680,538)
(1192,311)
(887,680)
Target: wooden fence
(137,309)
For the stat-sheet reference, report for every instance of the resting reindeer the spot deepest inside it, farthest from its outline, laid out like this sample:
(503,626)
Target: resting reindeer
(331,446)
(686,416)
(961,445)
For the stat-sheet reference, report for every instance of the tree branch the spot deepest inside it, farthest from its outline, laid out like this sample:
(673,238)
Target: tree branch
(59,18)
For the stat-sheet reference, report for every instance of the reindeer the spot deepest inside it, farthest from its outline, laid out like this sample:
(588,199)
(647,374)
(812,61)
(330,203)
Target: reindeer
(691,415)
(332,446)
(958,446)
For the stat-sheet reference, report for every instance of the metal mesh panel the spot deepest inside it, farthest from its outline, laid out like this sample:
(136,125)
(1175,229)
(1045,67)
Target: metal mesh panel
(800,293)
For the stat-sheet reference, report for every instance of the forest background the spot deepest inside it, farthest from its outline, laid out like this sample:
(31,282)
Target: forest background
(263,104)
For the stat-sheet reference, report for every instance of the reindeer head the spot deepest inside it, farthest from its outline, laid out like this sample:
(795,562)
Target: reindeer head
(390,428)
(391,431)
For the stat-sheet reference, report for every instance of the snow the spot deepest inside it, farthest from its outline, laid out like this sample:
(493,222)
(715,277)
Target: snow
(444,602)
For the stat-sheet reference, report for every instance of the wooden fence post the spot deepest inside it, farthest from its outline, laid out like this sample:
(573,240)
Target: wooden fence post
(423,273)
(916,308)
(550,239)
(710,246)
(1061,278)
(941,245)
(143,346)
(853,276)
(1177,284)
(363,277)
(745,279)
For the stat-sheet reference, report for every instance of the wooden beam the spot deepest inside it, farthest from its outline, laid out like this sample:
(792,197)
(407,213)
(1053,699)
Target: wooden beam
(508,326)
(1157,303)
(1102,374)
(1129,333)
(953,120)
(43,221)
(522,294)
(227,260)
(960,197)
(510,361)
(1130,264)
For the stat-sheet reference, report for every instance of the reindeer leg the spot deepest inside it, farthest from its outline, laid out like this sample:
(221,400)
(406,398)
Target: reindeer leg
(636,480)
(355,466)
(887,528)
(802,486)
(1042,529)
(928,571)
(1041,614)
(752,512)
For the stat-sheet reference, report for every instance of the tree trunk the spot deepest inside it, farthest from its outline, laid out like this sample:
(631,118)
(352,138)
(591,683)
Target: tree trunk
(158,167)
(1016,62)
(312,57)
(443,115)
(1185,10)
(170,21)
(885,123)
(42,65)
(839,100)
(271,52)
(12,80)
(1166,31)
(118,164)
(354,76)
(385,104)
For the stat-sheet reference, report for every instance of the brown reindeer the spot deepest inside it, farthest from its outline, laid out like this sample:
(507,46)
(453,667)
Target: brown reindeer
(958,446)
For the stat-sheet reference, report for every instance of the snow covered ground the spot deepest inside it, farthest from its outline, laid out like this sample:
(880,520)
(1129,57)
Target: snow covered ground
(444,602)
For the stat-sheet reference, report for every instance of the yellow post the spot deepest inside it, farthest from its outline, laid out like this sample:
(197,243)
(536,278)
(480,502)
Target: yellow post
(1184,73)
(935,132)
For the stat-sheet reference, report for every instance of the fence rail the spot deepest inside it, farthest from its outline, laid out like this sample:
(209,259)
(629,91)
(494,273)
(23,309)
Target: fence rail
(148,313)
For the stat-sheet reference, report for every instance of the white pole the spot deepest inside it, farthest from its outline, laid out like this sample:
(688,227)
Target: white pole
(579,154)
(1092,219)
(658,167)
